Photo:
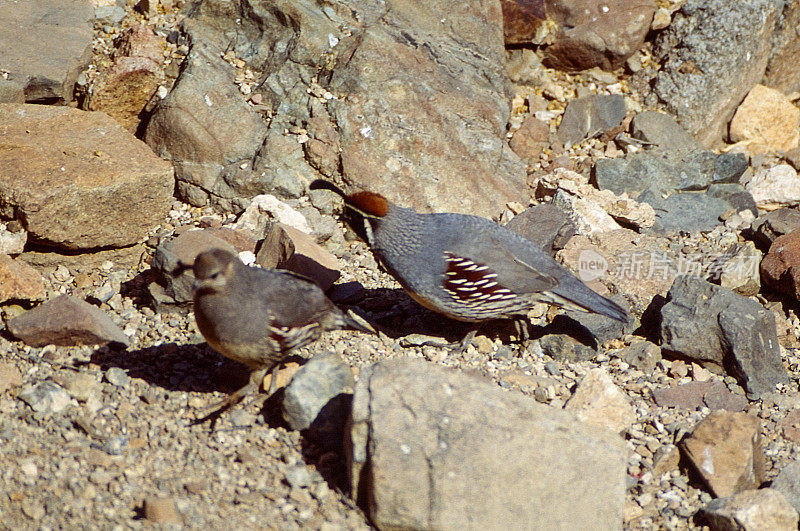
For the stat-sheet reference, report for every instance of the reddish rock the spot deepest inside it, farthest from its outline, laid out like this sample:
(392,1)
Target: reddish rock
(18,280)
(66,320)
(725,449)
(523,20)
(779,269)
(285,247)
(124,90)
(531,138)
(240,239)
(686,396)
(594,33)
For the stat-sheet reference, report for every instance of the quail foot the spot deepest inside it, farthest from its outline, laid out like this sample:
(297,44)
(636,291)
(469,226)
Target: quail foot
(259,316)
(467,267)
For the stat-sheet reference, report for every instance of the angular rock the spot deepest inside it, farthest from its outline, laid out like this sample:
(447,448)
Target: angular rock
(161,510)
(45,398)
(638,266)
(124,90)
(741,272)
(10,376)
(687,212)
(598,401)
(587,217)
(768,227)
(264,209)
(712,54)
(668,171)
(710,323)
(735,195)
(523,20)
(694,395)
(719,397)
(453,157)
(592,210)
(780,266)
(176,256)
(12,241)
(751,510)
(46,44)
(775,187)
(20,281)
(562,347)
(590,116)
(725,449)
(207,130)
(642,355)
(545,225)
(788,483)
(54,161)
(685,396)
(591,34)
(319,397)
(530,139)
(66,320)
(287,248)
(662,130)
(781,71)
(414,425)
(767,121)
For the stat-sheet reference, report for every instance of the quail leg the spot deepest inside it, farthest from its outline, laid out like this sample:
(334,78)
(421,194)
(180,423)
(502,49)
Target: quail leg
(521,328)
(256,377)
(461,346)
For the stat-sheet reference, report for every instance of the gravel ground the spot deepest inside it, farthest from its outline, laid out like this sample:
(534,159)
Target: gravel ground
(121,450)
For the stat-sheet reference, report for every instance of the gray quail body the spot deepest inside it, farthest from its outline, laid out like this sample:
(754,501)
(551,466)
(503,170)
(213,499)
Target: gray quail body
(467,267)
(259,316)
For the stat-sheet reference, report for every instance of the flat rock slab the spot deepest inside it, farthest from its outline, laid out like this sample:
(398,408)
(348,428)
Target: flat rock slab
(434,448)
(77,180)
(45,44)
(66,320)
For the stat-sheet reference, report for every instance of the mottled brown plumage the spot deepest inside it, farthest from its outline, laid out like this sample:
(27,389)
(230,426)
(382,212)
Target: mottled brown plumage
(258,316)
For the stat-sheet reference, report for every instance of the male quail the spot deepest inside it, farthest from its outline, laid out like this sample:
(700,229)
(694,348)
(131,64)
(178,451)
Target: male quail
(467,267)
(259,316)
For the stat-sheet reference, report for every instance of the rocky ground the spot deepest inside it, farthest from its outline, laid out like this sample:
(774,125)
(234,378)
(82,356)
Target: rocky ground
(687,416)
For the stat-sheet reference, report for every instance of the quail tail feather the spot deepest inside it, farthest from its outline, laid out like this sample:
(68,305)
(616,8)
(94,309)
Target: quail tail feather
(576,295)
(356,322)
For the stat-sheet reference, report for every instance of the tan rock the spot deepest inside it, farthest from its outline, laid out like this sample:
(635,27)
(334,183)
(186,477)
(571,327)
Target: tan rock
(775,187)
(77,179)
(9,376)
(598,401)
(752,510)
(636,265)
(767,120)
(725,449)
(426,442)
(18,280)
(124,91)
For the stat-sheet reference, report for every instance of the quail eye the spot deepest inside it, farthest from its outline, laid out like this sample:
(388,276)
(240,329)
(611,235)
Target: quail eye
(214,276)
